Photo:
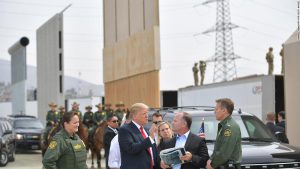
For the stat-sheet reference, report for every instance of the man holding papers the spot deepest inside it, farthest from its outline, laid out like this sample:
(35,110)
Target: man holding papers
(196,153)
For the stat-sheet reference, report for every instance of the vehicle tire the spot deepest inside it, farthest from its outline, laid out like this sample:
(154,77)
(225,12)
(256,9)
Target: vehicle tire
(13,157)
(3,158)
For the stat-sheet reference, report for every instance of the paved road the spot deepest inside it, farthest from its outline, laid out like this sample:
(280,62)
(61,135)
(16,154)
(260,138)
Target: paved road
(33,160)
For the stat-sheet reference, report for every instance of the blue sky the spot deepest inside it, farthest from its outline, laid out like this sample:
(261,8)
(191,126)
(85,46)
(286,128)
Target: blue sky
(263,23)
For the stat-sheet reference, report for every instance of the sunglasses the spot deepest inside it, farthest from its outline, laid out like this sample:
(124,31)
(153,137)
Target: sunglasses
(157,122)
(115,121)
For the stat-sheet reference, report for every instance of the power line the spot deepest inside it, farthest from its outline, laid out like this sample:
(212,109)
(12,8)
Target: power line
(47,15)
(48,5)
(275,9)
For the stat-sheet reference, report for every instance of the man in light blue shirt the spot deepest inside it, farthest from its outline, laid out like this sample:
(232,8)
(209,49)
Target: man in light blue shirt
(196,149)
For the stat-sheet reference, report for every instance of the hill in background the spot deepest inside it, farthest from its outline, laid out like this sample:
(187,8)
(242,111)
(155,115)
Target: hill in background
(73,88)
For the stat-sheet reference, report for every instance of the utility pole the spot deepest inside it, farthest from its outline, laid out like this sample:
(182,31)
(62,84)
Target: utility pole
(224,57)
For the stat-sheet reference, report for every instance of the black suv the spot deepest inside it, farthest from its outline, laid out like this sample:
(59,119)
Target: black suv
(260,148)
(7,142)
(28,131)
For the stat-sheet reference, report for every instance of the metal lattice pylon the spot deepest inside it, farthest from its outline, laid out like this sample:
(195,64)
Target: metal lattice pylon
(224,58)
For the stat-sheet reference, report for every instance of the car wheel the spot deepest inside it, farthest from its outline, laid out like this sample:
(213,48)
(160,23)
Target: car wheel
(3,158)
(13,157)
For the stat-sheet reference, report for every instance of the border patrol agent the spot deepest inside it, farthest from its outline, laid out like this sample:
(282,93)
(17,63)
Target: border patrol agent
(227,152)
(120,112)
(52,115)
(88,117)
(75,109)
(66,150)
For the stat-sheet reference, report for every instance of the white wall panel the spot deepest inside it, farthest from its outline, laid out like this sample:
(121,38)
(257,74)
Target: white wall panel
(48,71)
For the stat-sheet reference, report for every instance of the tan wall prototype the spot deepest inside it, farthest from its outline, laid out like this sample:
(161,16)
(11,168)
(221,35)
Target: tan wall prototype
(135,89)
(138,54)
(131,54)
(292,90)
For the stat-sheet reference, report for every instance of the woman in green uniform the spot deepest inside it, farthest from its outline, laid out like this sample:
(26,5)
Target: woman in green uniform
(66,150)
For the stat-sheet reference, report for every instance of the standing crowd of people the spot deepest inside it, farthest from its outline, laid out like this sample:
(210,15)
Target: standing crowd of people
(132,146)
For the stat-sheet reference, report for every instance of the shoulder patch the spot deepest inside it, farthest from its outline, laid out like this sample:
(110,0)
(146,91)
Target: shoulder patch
(227,133)
(52,145)
(77,146)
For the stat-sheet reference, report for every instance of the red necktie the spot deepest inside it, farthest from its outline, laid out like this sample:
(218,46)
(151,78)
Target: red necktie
(149,150)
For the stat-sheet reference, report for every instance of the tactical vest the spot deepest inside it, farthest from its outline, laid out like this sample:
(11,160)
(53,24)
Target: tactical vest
(74,157)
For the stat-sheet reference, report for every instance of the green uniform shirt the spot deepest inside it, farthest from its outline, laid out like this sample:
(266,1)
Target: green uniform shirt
(88,116)
(228,143)
(52,116)
(88,119)
(109,111)
(65,152)
(99,116)
(119,113)
(61,114)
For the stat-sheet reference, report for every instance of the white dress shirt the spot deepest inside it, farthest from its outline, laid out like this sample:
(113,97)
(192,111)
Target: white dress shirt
(114,158)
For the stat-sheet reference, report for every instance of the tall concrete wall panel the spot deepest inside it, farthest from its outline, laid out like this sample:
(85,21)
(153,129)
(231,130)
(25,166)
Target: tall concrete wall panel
(131,51)
(292,90)
(122,7)
(151,13)
(18,76)
(138,54)
(137,16)
(50,67)
(109,13)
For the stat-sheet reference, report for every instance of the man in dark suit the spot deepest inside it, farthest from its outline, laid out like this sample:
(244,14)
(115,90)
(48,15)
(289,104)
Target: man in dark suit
(271,123)
(138,149)
(281,119)
(110,132)
(196,149)
(277,130)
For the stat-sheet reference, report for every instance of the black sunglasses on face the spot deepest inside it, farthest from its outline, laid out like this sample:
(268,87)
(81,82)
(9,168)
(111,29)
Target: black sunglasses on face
(115,121)
(157,122)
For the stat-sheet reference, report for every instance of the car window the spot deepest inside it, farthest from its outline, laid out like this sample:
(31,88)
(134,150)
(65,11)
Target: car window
(255,128)
(250,127)
(28,124)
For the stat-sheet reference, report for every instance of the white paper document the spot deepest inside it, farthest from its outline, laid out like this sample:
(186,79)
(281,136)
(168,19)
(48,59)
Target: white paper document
(172,156)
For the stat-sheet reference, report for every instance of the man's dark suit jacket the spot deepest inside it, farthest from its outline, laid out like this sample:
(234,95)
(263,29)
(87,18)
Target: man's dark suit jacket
(109,134)
(273,128)
(133,147)
(195,146)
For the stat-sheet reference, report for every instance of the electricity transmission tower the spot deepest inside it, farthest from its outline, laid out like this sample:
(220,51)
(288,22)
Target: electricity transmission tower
(224,57)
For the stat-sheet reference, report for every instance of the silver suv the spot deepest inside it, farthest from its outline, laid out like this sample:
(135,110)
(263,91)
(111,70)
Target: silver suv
(260,148)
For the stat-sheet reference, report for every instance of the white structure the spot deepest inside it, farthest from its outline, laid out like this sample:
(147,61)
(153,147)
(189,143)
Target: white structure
(18,75)
(291,87)
(257,94)
(50,66)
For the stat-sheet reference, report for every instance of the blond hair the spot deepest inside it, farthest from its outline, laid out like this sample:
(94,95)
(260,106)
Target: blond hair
(135,108)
